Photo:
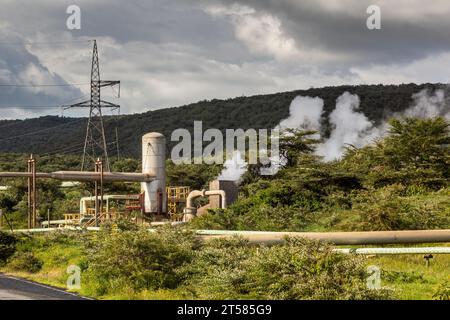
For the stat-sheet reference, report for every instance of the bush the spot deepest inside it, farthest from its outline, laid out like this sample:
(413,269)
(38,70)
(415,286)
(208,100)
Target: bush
(299,269)
(217,271)
(138,260)
(387,209)
(7,246)
(25,261)
(121,224)
(264,217)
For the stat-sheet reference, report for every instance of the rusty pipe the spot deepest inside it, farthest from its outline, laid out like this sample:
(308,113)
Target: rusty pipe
(84,176)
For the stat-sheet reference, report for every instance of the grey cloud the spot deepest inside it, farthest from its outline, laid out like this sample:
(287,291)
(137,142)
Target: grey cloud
(345,32)
(16,63)
(172,52)
(155,21)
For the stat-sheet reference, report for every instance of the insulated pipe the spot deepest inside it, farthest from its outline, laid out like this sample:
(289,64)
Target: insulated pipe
(391,251)
(338,238)
(84,176)
(190,209)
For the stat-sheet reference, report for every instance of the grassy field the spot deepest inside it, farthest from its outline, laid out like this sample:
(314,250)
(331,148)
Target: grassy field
(410,277)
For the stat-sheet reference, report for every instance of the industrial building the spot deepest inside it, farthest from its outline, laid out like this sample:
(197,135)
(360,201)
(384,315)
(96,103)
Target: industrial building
(156,201)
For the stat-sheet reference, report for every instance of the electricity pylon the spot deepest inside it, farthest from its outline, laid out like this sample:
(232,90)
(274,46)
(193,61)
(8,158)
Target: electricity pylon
(95,145)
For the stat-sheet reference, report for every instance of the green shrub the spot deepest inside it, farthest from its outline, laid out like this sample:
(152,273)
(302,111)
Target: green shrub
(387,209)
(299,269)
(262,217)
(7,246)
(121,224)
(217,270)
(25,261)
(138,260)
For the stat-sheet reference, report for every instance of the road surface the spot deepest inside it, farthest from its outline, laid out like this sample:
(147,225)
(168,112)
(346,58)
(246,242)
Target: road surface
(12,288)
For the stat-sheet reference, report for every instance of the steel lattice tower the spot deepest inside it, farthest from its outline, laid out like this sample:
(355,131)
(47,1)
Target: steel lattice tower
(95,145)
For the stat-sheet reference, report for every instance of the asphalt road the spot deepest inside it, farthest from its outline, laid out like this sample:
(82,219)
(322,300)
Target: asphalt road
(12,288)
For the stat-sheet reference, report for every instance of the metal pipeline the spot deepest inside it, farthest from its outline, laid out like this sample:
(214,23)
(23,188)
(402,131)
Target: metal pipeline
(396,251)
(84,176)
(338,238)
(190,209)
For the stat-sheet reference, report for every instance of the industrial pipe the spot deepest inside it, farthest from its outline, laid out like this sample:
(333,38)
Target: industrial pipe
(84,176)
(338,238)
(196,193)
(190,211)
(391,251)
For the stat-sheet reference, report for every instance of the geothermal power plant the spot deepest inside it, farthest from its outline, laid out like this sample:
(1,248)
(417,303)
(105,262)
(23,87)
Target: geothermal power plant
(156,201)
(161,204)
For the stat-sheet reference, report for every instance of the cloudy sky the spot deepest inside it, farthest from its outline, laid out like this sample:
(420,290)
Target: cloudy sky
(173,52)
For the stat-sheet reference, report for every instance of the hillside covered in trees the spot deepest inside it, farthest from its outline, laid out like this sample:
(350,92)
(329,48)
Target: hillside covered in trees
(53,134)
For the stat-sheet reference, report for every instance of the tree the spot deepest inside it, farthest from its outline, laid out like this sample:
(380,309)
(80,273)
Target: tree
(415,152)
(418,144)
(294,143)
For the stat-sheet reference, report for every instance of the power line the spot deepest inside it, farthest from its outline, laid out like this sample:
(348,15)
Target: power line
(58,150)
(62,105)
(42,130)
(71,150)
(45,85)
(43,42)
(30,107)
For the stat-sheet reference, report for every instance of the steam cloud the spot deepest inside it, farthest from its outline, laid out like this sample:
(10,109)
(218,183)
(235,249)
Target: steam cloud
(234,168)
(305,113)
(428,105)
(350,126)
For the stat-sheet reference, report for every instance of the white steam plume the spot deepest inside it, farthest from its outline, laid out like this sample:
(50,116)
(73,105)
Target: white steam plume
(234,168)
(428,105)
(304,113)
(350,127)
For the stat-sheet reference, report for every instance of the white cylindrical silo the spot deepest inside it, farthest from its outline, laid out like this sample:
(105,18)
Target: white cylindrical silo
(153,162)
